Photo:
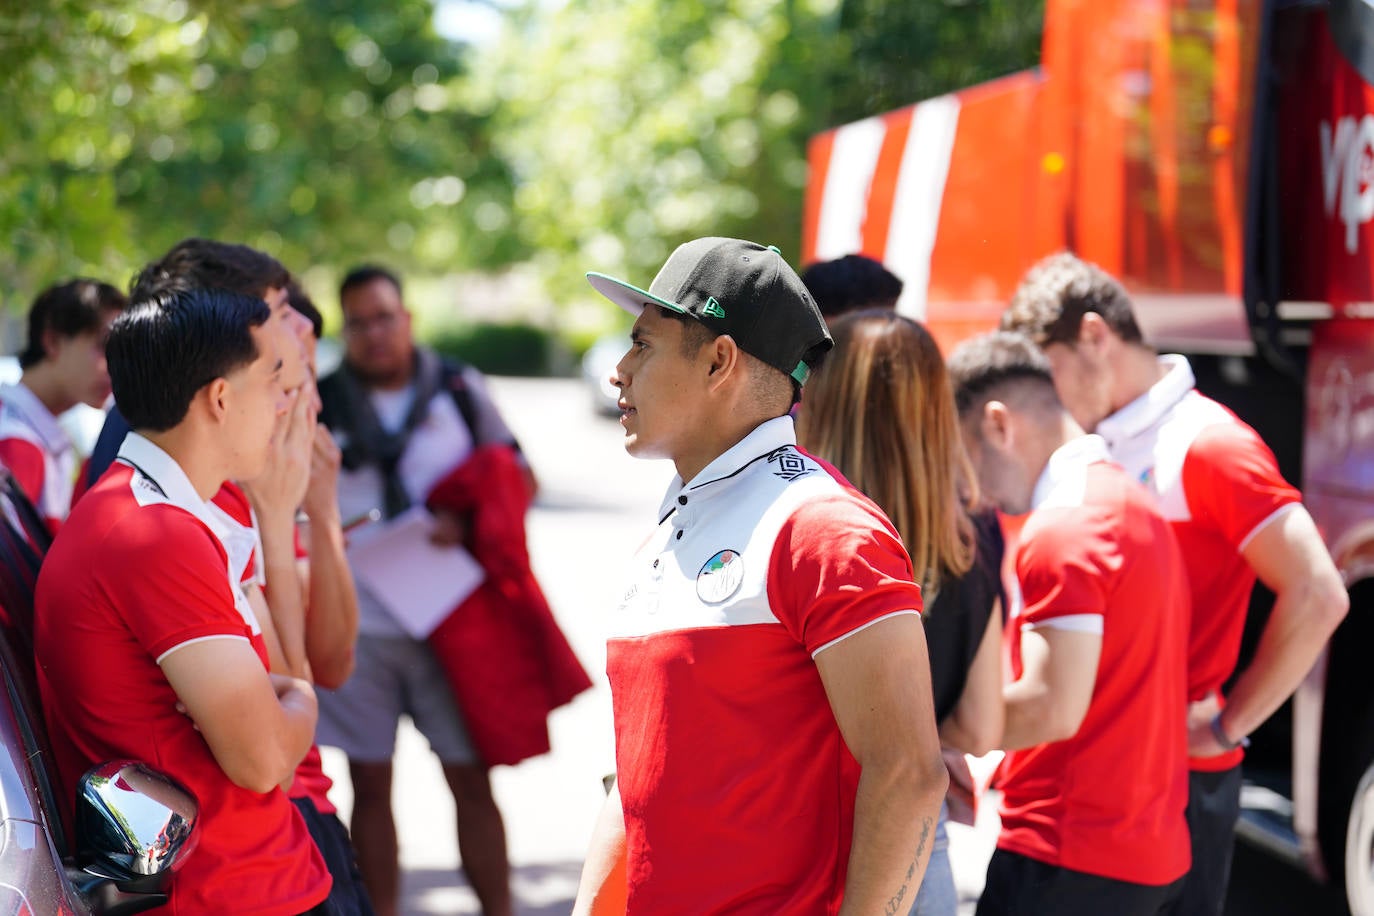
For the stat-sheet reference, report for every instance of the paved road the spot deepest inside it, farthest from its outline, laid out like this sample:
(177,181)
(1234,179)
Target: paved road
(595,504)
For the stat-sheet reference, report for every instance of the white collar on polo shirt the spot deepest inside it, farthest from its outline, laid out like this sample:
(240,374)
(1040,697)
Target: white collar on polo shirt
(21,399)
(1065,469)
(1147,410)
(766,438)
(162,471)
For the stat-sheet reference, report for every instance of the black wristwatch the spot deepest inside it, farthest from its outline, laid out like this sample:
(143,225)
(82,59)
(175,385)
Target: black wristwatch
(1220,734)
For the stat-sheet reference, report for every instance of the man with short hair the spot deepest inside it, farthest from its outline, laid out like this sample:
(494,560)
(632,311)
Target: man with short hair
(405,420)
(1235,517)
(1094,785)
(314,638)
(776,748)
(851,283)
(146,648)
(63,365)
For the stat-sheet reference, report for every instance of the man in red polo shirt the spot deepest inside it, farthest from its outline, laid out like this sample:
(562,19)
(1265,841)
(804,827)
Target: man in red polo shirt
(1235,517)
(1095,782)
(146,647)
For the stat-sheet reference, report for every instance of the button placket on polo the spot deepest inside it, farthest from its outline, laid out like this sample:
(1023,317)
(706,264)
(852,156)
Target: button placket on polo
(685,515)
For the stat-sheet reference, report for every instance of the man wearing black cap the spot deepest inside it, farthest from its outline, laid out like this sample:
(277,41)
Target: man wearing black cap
(776,748)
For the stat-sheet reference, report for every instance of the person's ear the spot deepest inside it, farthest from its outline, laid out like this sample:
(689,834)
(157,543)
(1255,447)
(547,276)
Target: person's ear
(725,357)
(1093,332)
(52,343)
(997,425)
(217,395)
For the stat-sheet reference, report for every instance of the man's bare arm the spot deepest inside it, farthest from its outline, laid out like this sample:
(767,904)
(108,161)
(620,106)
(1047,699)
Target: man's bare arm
(602,890)
(331,625)
(878,682)
(1310,601)
(975,725)
(258,726)
(1050,698)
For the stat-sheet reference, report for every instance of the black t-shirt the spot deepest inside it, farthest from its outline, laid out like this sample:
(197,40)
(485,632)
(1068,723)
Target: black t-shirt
(958,617)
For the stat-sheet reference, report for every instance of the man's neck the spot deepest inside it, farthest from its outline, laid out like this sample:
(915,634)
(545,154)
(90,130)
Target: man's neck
(47,388)
(713,446)
(1138,370)
(197,460)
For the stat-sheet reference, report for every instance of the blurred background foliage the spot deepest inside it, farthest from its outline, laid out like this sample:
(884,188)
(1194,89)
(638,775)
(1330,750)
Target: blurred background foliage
(580,134)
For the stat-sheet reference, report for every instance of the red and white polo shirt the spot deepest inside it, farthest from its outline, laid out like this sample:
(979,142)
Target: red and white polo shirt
(1095,555)
(737,788)
(1219,485)
(138,572)
(38,452)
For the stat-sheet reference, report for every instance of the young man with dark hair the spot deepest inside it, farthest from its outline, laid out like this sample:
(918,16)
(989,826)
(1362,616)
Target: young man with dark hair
(776,749)
(1094,785)
(312,639)
(146,648)
(1233,513)
(850,283)
(204,264)
(64,365)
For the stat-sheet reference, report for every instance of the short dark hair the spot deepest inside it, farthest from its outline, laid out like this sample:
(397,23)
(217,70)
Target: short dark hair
(696,334)
(364,274)
(852,282)
(165,349)
(983,367)
(204,264)
(300,300)
(1055,294)
(71,308)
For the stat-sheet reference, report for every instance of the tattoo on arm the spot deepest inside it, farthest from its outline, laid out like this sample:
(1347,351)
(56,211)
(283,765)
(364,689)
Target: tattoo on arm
(894,906)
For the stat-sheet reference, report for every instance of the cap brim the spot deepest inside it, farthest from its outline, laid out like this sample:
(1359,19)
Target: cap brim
(629,297)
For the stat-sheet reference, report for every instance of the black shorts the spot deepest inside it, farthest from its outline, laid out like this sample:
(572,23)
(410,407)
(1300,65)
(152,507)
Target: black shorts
(347,897)
(1021,886)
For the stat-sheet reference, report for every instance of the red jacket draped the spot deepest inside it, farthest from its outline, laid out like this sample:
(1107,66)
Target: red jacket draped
(503,653)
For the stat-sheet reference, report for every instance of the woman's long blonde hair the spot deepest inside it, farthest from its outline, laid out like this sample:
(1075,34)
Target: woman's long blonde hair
(881,410)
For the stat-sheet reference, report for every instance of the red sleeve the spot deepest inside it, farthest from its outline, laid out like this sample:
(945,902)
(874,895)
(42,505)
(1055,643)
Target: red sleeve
(836,567)
(25,461)
(1232,481)
(83,482)
(1064,563)
(167,574)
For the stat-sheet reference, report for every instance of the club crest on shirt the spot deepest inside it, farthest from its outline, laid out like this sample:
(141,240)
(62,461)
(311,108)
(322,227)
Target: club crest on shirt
(720,577)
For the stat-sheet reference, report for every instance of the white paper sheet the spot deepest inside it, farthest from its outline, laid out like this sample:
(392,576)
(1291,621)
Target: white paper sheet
(418,582)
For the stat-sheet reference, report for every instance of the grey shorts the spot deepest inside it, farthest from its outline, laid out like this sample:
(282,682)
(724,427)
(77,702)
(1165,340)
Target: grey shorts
(394,676)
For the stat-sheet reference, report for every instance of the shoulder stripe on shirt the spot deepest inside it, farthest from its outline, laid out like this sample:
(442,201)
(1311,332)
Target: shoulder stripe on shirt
(1272,516)
(1072,623)
(191,642)
(840,639)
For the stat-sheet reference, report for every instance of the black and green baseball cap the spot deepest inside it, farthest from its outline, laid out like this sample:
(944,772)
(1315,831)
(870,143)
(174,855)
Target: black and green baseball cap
(738,288)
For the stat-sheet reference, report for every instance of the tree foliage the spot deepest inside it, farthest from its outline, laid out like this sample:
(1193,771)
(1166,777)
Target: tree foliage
(594,134)
(318,130)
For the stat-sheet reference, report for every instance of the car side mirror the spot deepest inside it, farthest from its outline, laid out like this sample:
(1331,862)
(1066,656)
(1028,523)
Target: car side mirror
(134,829)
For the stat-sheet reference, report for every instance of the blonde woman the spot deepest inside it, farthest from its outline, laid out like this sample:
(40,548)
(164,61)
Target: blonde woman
(881,410)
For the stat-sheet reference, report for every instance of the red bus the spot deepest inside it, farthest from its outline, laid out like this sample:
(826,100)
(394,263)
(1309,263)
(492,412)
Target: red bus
(1218,157)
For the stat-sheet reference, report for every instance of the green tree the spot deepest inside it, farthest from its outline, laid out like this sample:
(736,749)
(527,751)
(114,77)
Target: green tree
(632,125)
(320,130)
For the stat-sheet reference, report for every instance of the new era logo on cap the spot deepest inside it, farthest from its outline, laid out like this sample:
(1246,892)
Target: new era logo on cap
(738,288)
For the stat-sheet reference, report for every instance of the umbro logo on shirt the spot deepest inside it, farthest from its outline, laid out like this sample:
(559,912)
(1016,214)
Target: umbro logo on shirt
(789,465)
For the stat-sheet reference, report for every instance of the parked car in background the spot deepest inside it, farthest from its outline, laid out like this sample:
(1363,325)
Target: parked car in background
(597,365)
